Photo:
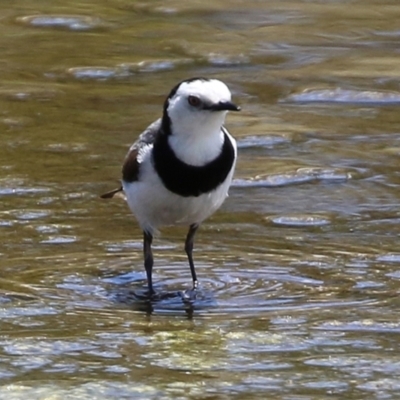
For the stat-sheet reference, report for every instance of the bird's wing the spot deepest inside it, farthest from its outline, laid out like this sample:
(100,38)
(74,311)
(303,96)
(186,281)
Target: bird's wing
(130,169)
(148,136)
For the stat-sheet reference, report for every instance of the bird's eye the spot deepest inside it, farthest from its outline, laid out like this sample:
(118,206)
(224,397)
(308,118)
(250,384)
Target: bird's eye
(194,101)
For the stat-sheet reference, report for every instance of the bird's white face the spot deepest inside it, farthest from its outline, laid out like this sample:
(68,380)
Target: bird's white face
(199,105)
(197,111)
(207,91)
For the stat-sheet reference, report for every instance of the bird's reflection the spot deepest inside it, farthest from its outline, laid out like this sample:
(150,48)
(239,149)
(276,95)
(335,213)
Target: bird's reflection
(161,302)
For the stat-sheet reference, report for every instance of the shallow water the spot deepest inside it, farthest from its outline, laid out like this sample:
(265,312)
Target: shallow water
(298,270)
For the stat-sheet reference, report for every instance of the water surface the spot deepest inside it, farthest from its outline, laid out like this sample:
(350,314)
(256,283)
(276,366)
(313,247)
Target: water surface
(298,270)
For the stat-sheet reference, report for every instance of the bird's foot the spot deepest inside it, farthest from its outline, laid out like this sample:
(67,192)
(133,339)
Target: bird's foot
(190,294)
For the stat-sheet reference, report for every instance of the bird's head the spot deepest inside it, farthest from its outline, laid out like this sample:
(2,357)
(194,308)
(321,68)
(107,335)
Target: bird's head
(197,105)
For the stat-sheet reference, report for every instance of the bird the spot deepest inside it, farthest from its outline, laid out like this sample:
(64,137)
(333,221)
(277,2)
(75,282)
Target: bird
(179,170)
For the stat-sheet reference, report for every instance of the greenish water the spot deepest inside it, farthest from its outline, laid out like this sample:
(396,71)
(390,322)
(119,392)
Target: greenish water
(298,270)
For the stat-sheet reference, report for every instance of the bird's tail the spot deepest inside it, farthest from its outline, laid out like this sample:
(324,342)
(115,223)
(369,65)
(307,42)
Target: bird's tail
(112,193)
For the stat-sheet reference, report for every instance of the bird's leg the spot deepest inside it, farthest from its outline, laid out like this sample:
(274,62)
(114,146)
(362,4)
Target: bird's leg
(189,250)
(148,260)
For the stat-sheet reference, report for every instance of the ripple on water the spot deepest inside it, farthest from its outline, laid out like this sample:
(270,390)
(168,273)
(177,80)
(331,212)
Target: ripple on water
(300,220)
(154,65)
(222,290)
(9,296)
(28,215)
(100,73)
(31,310)
(7,191)
(125,70)
(66,147)
(60,239)
(29,93)
(361,326)
(380,386)
(339,95)
(262,141)
(11,186)
(301,175)
(71,22)
(222,60)
(128,69)
(391,257)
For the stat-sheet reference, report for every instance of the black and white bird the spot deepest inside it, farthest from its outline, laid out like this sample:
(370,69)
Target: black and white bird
(179,170)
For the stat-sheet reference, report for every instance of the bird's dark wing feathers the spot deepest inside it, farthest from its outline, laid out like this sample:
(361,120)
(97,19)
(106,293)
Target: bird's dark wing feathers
(130,169)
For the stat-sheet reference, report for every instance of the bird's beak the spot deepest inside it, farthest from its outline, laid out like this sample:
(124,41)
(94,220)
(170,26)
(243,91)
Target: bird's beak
(224,106)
